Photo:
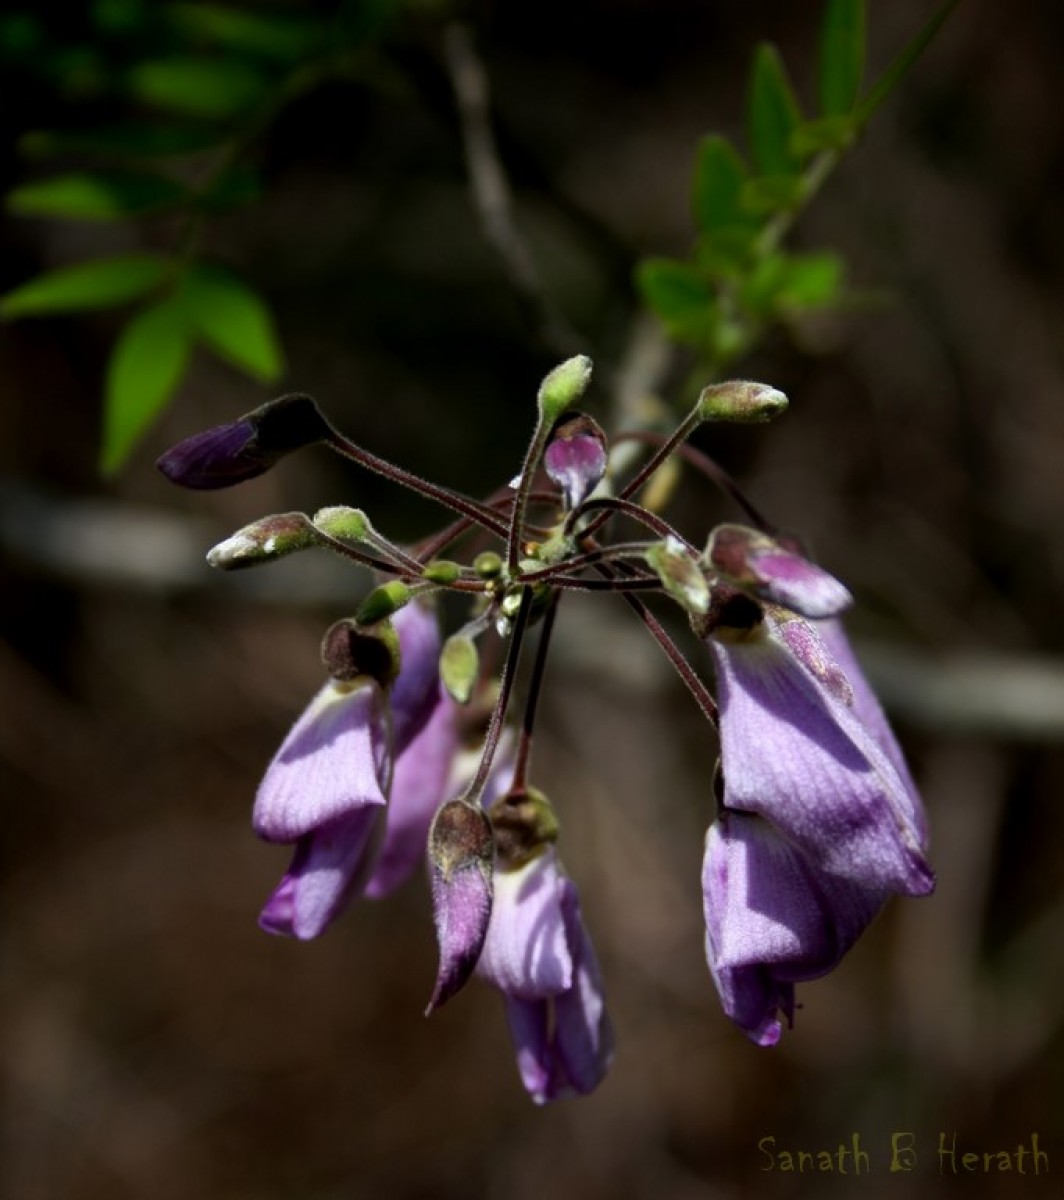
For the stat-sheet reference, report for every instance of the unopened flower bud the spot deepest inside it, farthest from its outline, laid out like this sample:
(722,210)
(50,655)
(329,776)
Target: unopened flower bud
(525,825)
(229,454)
(441,570)
(339,521)
(350,649)
(563,387)
(575,457)
(488,565)
(461,857)
(742,402)
(680,574)
(263,541)
(459,664)
(382,602)
(759,564)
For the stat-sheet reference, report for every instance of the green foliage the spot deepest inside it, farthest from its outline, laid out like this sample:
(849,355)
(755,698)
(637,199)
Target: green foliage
(740,280)
(202,83)
(100,283)
(147,364)
(95,196)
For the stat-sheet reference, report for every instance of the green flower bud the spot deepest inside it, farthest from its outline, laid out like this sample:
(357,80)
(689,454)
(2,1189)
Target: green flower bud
(741,402)
(382,602)
(263,541)
(459,664)
(440,570)
(348,524)
(680,574)
(563,387)
(488,565)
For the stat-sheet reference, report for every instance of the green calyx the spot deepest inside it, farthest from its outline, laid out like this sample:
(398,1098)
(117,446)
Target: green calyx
(459,666)
(525,825)
(563,387)
(347,524)
(382,602)
(741,402)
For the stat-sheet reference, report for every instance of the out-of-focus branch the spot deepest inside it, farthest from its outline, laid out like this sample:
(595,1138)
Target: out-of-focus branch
(491,191)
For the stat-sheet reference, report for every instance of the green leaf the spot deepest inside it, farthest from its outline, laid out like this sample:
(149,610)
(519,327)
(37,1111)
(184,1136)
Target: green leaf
(827,133)
(101,283)
(133,140)
(893,75)
(726,253)
(233,320)
(772,115)
(198,87)
(769,194)
(811,281)
(719,177)
(286,37)
(95,196)
(146,366)
(842,56)
(680,294)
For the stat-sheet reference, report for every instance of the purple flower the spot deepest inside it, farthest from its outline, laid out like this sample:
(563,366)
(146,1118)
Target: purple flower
(537,952)
(327,786)
(229,454)
(325,790)
(772,919)
(575,458)
(795,751)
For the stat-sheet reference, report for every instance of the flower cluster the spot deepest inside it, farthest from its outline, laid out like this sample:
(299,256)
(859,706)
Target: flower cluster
(818,821)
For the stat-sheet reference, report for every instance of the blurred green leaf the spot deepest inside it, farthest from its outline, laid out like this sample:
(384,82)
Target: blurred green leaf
(772,193)
(285,36)
(232,319)
(96,196)
(237,186)
(811,281)
(146,366)
(772,115)
(680,294)
(198,87)
(21,33)
(101,283)
(719,177)
(827,133)
(842,56)
(726,253)
(893,75)
(133,140)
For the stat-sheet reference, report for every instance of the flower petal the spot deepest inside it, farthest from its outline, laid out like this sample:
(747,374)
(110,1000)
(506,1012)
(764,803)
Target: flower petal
(413,696)
(419,787)
(326,872)
(526,952)
(794,751)
(333,762)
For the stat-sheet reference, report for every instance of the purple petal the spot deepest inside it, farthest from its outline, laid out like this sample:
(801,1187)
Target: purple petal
(526,952)
(794,751)
(461,849)
(575,458)
(772,920)
(755,562)
(529,1022)
(419,787)
(871,715)
(333,762)
(414,695)
(326,873)
(229,454)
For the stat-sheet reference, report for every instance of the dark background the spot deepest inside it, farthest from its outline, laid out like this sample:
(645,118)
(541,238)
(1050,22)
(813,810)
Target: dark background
(156,1043)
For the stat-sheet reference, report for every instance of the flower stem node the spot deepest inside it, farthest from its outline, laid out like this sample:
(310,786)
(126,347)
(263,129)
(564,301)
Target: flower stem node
(229,454)
(263,541)
(741,402)
(347,524)
(350,650)
(459,666)
(770,571)
(563,387)
(575,458)
(461,852)
(525,825)
(680,574)
(383,601)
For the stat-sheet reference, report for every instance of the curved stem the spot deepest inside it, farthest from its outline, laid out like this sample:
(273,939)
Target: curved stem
(524,746)
(618,504)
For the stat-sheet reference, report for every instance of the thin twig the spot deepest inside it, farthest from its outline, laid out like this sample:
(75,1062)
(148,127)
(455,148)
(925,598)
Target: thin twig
(491,190)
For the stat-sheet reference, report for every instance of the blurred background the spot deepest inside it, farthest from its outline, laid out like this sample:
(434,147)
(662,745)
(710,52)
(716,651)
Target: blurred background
(155,1042)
